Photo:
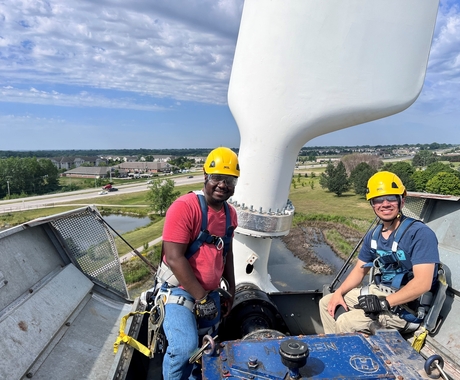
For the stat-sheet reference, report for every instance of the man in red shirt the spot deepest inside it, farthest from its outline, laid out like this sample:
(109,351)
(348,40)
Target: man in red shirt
(193,306)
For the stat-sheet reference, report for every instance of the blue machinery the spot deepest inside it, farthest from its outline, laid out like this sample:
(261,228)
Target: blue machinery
(385,355)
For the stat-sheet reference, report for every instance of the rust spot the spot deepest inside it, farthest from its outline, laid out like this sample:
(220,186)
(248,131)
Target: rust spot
(23,326)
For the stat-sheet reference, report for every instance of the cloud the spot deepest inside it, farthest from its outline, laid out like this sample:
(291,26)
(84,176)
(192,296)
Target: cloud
(442,84)
(79,99)
(180,49)
(163,66)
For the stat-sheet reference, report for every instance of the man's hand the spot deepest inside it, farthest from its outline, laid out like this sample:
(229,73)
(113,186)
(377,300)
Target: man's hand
(373,304)
(206,308)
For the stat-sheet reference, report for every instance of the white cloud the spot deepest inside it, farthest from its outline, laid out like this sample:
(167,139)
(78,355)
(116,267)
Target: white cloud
(80,99)
(442,84)
(179,49)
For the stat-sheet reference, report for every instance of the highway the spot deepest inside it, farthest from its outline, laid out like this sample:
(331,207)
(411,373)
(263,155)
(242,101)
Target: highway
(73,197)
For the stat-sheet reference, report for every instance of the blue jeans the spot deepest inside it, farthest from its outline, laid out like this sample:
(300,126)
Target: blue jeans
(180,327)
(181,333)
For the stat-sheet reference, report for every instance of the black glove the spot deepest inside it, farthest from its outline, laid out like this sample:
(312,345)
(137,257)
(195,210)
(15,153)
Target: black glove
(206,308)
(373,304)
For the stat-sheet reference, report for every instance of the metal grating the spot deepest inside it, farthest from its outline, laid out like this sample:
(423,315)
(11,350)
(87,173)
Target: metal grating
(91,248)
(413,207)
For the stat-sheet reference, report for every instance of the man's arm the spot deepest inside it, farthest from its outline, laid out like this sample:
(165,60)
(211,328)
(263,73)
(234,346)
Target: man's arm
(352,281)
(180,266)
(421,283)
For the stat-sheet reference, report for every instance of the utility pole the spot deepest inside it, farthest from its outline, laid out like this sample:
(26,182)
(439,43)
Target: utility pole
(8,185)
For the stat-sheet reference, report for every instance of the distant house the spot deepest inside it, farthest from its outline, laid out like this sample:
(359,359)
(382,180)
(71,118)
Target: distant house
(68,163)
(143,167)
(88,172)
(130,158)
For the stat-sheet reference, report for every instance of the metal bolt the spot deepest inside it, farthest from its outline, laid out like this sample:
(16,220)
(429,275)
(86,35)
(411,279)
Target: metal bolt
(253,362)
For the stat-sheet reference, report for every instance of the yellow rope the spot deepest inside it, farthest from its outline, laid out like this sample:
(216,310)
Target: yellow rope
(123,338)
(420,340)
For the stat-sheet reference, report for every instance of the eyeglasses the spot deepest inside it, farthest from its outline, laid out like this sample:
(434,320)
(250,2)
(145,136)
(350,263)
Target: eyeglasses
(388,198)
(229,180)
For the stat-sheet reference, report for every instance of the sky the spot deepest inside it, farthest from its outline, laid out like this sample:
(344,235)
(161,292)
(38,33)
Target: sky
(112,74)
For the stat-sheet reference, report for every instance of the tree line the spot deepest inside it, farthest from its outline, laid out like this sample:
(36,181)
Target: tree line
(425,173)
(26,176)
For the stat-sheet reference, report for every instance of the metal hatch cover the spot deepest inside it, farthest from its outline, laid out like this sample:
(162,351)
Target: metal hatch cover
(385,355)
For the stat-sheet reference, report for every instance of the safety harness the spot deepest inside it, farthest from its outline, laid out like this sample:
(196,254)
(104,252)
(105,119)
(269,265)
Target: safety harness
(394,270)
(164,273)
(165,279)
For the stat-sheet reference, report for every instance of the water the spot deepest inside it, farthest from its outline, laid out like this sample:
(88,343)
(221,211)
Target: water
(123,223)
(288,273)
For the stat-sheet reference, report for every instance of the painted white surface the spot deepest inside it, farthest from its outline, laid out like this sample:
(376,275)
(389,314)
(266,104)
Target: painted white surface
(307,68)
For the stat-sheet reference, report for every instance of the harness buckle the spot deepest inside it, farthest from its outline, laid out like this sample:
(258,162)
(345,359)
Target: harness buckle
(219,243)
(181,300)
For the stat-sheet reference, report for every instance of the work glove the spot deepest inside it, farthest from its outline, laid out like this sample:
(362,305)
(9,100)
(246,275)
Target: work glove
(372,304)
(206,308)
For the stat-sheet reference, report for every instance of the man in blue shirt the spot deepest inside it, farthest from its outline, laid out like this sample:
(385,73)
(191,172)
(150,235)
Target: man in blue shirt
(404,271)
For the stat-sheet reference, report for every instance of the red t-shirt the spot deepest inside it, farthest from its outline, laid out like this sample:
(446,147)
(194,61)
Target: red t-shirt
(183,225)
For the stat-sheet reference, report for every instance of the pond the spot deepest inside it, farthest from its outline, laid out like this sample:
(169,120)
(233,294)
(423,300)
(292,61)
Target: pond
(124,223)
(288,273)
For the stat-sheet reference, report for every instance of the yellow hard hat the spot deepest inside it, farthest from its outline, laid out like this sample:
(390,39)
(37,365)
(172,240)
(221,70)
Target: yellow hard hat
(384,183)
(222,161)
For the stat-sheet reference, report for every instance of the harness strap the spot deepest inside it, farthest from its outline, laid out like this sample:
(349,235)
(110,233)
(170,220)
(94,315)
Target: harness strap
(393,257)
(401,278)
(181,300)
(165,274)
(204,236)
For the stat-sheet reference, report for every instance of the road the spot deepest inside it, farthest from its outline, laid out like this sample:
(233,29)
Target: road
(75,197)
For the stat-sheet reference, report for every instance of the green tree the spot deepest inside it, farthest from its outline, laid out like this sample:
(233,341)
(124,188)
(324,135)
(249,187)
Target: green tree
(325,177)
(359,177)
(161,195)
(338,182)
(421,177)
(444,183)
(50,175)
(424,158)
